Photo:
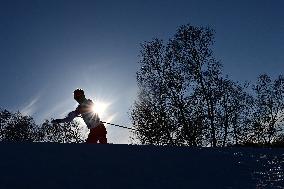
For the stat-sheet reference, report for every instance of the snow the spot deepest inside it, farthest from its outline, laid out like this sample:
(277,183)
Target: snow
(48,165)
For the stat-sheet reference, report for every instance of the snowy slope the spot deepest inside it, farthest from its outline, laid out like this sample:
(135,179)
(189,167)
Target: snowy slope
(42,165)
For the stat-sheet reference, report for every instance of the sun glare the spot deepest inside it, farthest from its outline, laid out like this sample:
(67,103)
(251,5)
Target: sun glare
(100,107)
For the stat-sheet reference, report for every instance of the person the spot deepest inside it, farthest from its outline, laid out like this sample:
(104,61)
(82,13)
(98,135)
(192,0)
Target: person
(85,110)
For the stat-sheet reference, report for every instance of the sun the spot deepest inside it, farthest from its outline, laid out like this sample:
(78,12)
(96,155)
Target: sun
(100,107)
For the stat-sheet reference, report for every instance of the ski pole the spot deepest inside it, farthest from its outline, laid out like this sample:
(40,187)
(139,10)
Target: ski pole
(118,126)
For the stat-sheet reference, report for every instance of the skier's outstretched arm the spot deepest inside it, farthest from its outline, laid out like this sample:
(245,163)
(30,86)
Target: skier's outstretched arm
(68,118)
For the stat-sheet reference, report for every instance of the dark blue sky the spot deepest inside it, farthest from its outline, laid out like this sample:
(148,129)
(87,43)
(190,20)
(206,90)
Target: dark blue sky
(49,48)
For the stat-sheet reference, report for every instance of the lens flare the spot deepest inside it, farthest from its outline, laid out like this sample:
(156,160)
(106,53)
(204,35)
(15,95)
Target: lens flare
(100,108)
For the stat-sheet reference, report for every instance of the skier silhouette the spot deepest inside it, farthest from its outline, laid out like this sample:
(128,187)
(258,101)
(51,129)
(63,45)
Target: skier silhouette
(85,109)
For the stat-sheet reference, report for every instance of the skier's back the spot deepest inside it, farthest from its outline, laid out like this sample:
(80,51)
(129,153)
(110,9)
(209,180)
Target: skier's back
(85,109)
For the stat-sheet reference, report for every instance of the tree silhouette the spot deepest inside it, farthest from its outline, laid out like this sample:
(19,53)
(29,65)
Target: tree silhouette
(61,133)
(192,48)
(173,79)
(234,108)
(183,98)
(5,116)
(267,118)
(16,127)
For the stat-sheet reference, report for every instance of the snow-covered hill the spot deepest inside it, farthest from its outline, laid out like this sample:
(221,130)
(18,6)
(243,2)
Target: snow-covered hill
(42,165)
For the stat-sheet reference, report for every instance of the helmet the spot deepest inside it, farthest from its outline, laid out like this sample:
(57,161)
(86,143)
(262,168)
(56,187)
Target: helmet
(79,94)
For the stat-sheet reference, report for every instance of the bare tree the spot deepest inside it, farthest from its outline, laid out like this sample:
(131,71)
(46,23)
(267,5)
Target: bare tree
(150,114)
(191,48)
(5,116)
(178,85)
(233,112)
(267,119)
(16,127)
(61,133)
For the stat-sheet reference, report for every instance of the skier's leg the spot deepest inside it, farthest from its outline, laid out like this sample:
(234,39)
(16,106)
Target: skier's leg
(103,132)
(103,140)
(92,137)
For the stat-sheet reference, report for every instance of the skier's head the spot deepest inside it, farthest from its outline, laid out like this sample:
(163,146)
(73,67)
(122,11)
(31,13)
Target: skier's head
(79,95)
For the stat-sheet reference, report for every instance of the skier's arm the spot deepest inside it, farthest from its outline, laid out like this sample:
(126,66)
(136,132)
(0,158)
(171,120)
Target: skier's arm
(68,118)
